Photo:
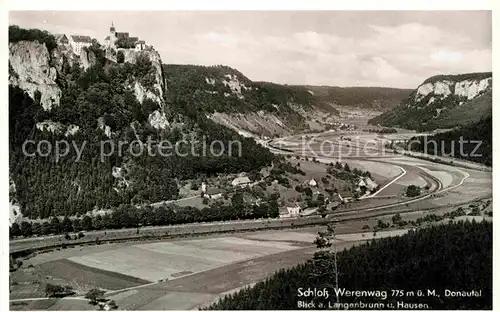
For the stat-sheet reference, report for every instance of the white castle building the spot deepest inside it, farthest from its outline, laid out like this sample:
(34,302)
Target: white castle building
(111,40)
(78,42)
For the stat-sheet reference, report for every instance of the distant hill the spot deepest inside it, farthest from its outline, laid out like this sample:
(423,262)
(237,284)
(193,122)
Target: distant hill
(259,108)
(382,99)
(443,101)
(254,108)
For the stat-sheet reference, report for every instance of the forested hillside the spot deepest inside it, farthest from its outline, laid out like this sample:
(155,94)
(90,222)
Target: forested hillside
(382,99)
(96,105)
(477,143)
(224,89)
(455,257)
(443,101)
(267,108)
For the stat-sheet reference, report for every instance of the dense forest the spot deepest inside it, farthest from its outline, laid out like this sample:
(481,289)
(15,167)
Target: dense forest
(455,256)
(128,216)
(477,143)
(47,186)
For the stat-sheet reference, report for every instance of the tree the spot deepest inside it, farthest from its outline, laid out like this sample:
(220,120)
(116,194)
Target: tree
(67,225)
(237,201)
(381,225)
(15,230)
(396,218)
(325,239)
(58,290)
(308,191)
(112,304)
(325,268)
(95,295)
(26,229)
(87,223)
(77,225)
(120,57)
(45,229)
(55,225)
(346,168)
(322,210)
(412,191)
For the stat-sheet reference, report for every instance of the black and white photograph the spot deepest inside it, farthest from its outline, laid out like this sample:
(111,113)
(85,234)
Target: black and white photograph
(249,159)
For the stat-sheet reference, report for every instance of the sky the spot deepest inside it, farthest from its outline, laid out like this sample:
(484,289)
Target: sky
(397,49)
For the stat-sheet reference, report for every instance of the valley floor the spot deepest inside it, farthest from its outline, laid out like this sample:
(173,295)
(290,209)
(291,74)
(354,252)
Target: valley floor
(186,273)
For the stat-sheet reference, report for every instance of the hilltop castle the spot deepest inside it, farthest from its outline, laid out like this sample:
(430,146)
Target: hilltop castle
(123,40)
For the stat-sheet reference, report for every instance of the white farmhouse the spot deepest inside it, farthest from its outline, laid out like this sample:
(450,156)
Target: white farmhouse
(313,183)
(213,193)
(294,211)
(240,181)
(370,184)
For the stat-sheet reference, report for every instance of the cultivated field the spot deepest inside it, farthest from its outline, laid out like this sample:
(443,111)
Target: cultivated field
(166,260)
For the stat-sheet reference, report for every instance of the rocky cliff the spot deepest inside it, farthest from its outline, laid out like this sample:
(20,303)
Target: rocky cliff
(36,70)
(30,69)
(155,86)
(443,101)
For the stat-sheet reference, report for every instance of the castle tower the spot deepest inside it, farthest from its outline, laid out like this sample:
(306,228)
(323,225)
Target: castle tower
(112,29)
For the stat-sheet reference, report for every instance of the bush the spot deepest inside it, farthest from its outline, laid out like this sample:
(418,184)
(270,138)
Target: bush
(95,295)
(112,304)
(412,191)
(58,290)
(120,57)
(125,43)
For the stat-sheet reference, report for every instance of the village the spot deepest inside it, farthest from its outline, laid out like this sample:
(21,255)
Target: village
(302,186)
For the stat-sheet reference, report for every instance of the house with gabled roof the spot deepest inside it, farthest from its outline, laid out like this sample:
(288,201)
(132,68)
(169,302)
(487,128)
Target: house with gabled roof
(240,181)
(61,39)
(213,193)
